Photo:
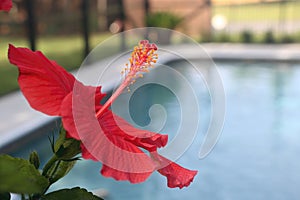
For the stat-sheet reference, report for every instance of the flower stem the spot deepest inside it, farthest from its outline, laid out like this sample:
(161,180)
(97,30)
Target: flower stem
(49,165)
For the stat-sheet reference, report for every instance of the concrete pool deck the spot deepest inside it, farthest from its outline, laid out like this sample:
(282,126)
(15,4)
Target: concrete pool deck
(18,118)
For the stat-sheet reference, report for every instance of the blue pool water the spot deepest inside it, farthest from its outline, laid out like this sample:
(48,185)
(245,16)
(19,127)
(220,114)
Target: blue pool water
(256,156)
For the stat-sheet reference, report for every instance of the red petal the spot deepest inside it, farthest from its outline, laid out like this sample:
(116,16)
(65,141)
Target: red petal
(86,154)
(67,117)
(102,139)
(109,122)
(124,176)
(141,138)
(177,176)
(5,5)
(43,82)
(118,175)
(82,93)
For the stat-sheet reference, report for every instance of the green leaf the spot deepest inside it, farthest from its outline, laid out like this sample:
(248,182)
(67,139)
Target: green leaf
(74,194)
(5,196)
(59,170)
(20,176)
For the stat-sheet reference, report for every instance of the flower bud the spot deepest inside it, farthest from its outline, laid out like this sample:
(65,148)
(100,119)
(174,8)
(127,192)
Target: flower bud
(34,159)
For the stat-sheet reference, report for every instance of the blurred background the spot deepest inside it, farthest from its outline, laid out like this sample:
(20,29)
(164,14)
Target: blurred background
(259,63)
(67,30)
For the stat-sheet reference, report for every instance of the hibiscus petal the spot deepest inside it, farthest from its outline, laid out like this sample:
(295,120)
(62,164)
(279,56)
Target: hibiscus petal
(82,93)
(109,122)
(43,82)
(124,176)
(176,175)
(141,138)
(5,5)
(86,154)
(102,143)
(116,174)
(67,117)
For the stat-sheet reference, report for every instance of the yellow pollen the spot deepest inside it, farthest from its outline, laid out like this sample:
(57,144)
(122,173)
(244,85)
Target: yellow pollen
(142,57)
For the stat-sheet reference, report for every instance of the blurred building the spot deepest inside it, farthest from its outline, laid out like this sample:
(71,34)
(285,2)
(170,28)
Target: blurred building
(195,14)
(226,2)
(63,17)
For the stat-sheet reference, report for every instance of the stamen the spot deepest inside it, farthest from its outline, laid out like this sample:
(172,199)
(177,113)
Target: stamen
(142,57)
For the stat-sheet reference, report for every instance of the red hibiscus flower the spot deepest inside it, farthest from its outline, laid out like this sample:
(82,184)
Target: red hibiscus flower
(5,5)
(104,136)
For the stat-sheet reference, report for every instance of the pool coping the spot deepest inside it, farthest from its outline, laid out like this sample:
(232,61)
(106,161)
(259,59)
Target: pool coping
(19,119)
(258,52)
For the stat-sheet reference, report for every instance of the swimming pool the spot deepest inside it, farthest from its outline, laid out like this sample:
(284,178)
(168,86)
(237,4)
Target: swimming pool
(255,158)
